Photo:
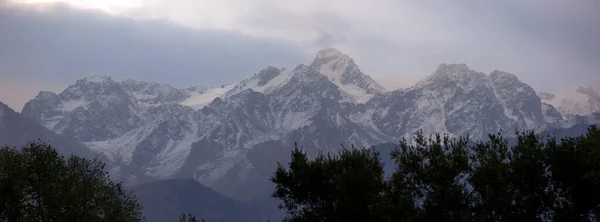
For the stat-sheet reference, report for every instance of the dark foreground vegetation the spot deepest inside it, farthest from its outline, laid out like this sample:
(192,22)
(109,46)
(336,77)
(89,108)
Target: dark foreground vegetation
(435,179)
(439,179)
(38,184)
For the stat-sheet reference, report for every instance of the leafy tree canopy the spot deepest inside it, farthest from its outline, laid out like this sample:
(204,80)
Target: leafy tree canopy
(38,184)
(441,179)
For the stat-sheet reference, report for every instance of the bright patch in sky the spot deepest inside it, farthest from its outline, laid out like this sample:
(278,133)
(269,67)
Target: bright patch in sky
(111,6)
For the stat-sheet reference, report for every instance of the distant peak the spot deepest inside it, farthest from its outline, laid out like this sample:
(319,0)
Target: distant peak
(453,72)
(460,67)
(198,88)
(97,78)
(131,81)
(332,63)
(503,76)
(266,75)
(329,53)
(46,94)
(301,68)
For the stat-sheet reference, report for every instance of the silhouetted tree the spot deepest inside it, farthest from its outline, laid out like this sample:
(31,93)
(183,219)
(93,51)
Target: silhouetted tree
(188,218)
(429,183)
(347,187)
(38,184)
(442,179)
(574,166)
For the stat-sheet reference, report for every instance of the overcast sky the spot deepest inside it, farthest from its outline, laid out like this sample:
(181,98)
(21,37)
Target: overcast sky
(552,45)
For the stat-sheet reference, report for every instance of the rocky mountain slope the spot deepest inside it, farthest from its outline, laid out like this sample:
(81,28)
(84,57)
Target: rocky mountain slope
(231,137)
(460,101)
(17,131)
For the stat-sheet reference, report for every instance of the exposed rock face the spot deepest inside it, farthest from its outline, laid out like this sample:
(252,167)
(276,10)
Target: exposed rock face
(232,136)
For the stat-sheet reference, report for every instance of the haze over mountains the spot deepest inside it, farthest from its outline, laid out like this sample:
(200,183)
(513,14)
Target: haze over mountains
(583,101)
(232,136)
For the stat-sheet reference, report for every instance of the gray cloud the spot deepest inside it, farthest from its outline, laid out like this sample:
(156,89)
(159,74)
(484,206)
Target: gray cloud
(550,44)
(62,44)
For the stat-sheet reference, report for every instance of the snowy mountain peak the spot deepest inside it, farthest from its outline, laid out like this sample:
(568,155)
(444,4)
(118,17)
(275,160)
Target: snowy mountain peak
(46,95)
(232,136)
(459,74)
(265,81)
(131,83)
(497,75)
(334,64)
(201,96)
(90,87)
(301,69)
(266,75)
(329,53)
(453,68)
(97,79)
(149,93)
(340,69)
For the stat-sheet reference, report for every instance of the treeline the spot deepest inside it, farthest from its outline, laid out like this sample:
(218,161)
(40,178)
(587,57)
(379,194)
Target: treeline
(435,179)
(440,179)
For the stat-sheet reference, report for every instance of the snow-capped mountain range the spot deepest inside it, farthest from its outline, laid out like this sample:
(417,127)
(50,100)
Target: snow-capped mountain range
(231,137)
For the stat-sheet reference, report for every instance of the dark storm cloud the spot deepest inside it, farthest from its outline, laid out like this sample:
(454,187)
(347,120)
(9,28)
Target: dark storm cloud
(62,44)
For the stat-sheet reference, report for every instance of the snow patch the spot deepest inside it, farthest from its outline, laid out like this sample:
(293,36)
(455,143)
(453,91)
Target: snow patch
(71,105)
(365,119)
(197,100)
(52,122)
(121,149)
(173,156)
(328,52)
(253,83)
(275,83)
(143,96)
(356,93)
(572,103)
(508,113)
(333,64)
(334,69)
(211,172)
(296,120)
